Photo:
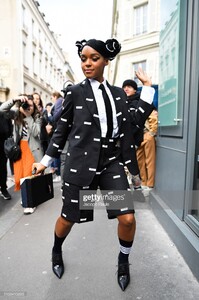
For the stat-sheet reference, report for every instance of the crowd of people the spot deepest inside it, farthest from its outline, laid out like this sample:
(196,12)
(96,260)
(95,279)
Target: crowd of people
(31,124)
(105,136)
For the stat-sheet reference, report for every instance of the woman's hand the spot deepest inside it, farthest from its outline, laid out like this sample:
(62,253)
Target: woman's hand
(143,77)
(38,168)
(20,99)
(49,129)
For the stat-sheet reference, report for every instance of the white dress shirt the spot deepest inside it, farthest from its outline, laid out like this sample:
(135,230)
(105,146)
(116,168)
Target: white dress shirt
(101,107)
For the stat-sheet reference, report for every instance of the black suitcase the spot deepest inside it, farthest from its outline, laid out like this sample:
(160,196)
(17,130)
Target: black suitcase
(36,190)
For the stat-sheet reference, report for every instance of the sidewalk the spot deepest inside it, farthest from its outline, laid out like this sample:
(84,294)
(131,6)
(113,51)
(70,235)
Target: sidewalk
(158,271)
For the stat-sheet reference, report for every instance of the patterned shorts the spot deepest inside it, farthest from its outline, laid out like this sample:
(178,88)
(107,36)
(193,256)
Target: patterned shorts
(78,202)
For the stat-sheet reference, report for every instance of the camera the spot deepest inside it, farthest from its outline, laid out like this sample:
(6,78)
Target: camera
(25,105)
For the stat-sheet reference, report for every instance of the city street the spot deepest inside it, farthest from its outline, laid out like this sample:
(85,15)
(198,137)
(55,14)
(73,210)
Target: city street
(158,271)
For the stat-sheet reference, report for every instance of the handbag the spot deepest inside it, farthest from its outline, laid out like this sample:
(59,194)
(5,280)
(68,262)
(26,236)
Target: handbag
(36,189)
(12,149)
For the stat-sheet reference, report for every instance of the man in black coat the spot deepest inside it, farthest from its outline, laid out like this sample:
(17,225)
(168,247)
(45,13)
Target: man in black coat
(133,96)
(131,89)
(5,132)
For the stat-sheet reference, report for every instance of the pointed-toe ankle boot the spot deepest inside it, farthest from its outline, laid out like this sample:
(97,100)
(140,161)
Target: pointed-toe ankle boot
(57,264)
(123,275)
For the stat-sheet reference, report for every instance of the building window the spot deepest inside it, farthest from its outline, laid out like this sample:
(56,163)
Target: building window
(33,63)
(40,64)
(24,54)
(23,15)
(141,19)
(46,69)
(140,64)
(25,87)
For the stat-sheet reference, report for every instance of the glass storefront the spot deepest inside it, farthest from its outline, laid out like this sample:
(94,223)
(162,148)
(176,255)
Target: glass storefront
(179,36)
(172,67)
(194,209)
(192,200)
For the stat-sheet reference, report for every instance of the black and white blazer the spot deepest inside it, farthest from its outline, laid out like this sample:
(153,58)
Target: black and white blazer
(79,124)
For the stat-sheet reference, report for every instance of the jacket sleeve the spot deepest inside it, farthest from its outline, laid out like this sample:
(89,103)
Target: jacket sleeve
(127,142)
(144,107)
(63,129)
(8,110)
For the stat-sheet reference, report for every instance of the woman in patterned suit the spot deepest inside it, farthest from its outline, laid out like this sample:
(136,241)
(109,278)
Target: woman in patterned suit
(99,148)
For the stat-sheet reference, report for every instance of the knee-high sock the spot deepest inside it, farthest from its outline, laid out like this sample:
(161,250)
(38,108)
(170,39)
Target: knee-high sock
(125,249)
(57,248)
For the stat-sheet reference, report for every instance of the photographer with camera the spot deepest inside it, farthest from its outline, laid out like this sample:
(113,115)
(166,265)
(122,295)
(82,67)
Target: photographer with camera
(26,130)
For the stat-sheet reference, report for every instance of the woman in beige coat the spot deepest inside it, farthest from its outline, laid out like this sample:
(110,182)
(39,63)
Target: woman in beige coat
(146,153)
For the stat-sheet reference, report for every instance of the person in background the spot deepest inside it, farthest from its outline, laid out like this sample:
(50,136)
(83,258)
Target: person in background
(6,129)
(56,113)
(44,137)
(96,122)
(133,96)
(56,110)
(27,127)
(146,153)
(38,102)
(48,120)
(48,110)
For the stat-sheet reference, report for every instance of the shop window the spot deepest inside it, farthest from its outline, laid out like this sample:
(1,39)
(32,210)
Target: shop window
(172,67)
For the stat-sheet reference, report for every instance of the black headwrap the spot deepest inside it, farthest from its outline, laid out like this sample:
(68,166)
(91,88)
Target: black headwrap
(109,49)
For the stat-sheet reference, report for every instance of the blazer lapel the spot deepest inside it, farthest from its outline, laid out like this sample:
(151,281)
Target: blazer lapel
(118,100)
(91,102)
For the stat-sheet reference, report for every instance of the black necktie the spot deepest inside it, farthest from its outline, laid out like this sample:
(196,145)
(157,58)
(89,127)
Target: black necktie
(109,113)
